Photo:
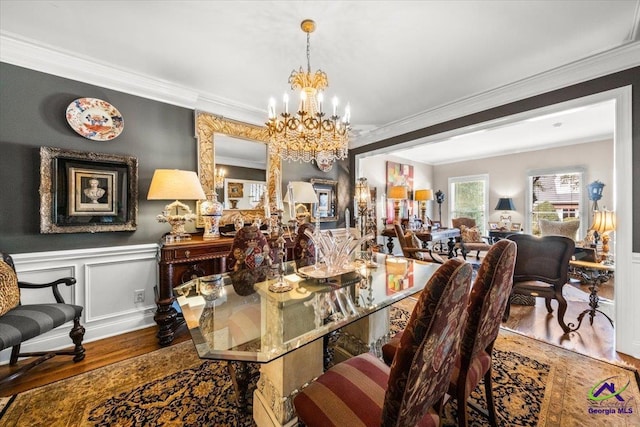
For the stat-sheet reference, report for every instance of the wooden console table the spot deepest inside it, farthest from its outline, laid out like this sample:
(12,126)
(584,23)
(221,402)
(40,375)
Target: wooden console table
(178,263)
(182,261)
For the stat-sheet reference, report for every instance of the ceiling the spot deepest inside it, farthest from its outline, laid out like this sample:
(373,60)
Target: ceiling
(392,61)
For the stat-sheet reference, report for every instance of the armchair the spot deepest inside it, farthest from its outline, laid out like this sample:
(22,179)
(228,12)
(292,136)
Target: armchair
(19,323)
(542,269)
(410,246)
(364,391)
(470,239)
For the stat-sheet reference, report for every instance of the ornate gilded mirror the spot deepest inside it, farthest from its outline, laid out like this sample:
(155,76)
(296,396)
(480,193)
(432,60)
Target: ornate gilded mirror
(208,126)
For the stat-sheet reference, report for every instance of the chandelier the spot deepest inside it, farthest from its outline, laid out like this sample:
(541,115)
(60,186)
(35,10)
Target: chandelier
(307,135)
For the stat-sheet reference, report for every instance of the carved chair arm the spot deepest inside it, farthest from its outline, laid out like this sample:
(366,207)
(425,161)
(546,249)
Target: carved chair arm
(69,281)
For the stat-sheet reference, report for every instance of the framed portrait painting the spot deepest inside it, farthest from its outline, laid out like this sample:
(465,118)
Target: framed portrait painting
(87,192)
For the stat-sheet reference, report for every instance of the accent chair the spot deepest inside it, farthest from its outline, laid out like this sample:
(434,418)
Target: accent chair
(542,269)
(19,323)
(489,298)
(364,391)
(470,238)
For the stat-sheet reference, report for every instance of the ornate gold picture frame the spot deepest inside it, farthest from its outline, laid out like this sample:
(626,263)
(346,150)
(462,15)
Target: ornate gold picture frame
(83,192)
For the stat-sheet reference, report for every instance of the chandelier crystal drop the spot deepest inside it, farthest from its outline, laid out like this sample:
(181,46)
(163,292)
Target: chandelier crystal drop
(307,135)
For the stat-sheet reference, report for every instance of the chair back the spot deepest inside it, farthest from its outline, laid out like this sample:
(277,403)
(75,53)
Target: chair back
(488,300)
(249,249)
(459,222)
(304,251)
(424,362)
(545,259)
(401,240)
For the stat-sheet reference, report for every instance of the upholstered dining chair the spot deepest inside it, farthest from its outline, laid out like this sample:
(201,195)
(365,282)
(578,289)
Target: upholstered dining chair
(489,297)
(411,246)
(542,269)
(304,252)
(19,323)
(364,391)
(249,259)
(470,238)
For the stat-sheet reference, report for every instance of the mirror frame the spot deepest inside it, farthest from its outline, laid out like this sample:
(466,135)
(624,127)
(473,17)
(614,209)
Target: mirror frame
(324,186)
(207,125)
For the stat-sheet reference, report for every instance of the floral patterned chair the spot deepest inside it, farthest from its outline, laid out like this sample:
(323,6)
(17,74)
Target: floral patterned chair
(19,322)
(489,298)
(304,252)
(364,391)
(249,260)
(470,238)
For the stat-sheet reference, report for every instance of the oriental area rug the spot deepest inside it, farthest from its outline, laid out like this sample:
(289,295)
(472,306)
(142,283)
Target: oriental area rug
(535,384)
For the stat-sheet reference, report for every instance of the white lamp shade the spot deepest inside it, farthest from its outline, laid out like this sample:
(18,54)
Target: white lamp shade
(301,192)
(174,184)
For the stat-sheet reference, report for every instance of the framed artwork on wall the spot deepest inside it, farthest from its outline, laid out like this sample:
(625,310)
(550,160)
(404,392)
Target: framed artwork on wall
(399,174)
(85,192)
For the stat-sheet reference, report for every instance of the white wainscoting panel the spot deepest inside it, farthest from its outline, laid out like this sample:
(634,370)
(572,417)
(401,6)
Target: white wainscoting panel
(106,279)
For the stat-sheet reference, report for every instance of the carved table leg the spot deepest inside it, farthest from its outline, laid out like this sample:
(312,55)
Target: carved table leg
(390,245)
(165,317)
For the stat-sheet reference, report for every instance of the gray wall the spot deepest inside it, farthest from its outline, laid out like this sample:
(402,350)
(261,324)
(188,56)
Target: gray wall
(32,114)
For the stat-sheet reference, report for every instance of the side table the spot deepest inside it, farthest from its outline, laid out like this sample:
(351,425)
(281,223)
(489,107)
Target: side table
(593,274)
(180,262)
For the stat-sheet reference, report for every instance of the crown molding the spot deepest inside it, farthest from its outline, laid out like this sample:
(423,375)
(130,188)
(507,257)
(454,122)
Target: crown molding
(29,54)
(614,60)
(40,57)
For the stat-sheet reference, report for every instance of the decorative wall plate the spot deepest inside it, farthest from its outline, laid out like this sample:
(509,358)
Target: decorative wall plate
(94,119)
(324,162)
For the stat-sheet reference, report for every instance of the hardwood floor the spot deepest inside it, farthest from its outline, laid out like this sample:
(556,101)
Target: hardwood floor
(595,340)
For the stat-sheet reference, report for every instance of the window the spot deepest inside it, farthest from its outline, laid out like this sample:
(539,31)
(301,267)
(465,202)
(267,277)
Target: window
(469,198)
(556,196)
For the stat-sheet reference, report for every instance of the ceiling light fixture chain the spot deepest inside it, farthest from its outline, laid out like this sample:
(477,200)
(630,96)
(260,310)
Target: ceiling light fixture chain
(307,135)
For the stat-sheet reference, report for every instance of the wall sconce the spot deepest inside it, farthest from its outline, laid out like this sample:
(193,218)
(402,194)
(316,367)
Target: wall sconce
(505,204)
(174,184)
(423,196)
(397,193)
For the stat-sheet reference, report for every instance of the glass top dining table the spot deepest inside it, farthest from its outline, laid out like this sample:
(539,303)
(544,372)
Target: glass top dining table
(235,317)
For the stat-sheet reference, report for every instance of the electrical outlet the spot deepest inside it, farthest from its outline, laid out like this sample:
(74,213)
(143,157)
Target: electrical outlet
(138,295)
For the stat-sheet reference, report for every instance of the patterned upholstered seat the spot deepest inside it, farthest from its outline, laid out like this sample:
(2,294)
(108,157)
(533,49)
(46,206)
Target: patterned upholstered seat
(249,259)
(489,297)
(364,391)
(19,323)
(470,238)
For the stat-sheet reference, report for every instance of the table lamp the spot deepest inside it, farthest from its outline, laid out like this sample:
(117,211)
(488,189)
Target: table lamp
(423,196)
(174,184)
(505,204)
(397,193)
(604,222)
(298,193)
